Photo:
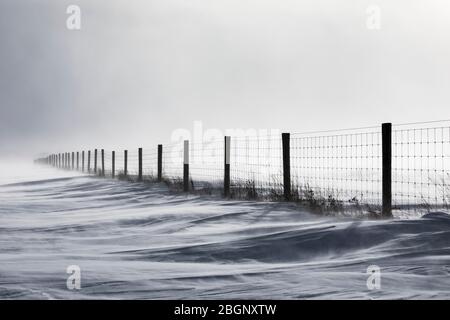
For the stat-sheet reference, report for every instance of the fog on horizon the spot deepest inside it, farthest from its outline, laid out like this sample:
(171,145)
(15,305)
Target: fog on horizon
(137,71)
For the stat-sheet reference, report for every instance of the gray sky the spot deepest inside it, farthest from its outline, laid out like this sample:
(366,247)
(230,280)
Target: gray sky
(137,70)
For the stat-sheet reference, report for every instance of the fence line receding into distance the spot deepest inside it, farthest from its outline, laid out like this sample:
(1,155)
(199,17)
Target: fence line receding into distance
(403,167)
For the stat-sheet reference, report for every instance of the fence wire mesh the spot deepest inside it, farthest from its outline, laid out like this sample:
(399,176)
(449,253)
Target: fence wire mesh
(206,164)
(256,165)
(420,168)
(344,167)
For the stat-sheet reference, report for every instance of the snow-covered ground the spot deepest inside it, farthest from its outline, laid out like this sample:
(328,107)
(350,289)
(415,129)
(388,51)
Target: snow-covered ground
(141,241)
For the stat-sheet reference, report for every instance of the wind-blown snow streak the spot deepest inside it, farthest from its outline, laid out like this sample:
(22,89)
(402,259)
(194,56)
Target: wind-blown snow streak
(133,240)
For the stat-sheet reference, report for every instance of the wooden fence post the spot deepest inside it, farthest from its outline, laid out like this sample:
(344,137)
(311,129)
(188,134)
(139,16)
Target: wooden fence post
(160,151)
(125,163)
(226,178)
(186,166)
(103,163)
(82,161)
(89,161)
(140,164)
(113,165)
(73,160)
(286,166)
(386,133)
(78,161)
(95,161)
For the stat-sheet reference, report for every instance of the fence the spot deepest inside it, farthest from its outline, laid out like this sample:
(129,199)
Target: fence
(400,167)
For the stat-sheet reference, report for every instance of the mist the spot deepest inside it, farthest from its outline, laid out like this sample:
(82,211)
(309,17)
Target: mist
(136,72)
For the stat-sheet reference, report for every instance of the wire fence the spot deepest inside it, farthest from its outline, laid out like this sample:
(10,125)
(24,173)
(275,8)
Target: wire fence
(406,168)
(421,164)
(344,166)
(256,165)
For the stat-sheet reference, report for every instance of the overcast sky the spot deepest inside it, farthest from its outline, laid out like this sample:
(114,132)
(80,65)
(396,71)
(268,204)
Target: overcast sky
(137,70)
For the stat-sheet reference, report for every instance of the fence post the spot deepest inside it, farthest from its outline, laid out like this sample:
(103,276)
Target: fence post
(89,161)
(160,151)
(103,163)
(73,160)
(82,161)
(140,164)
(95,161)
(286,165)
(386,133)
(78,161)
(186,166)
(125,163)
(226,178)
(113,166)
